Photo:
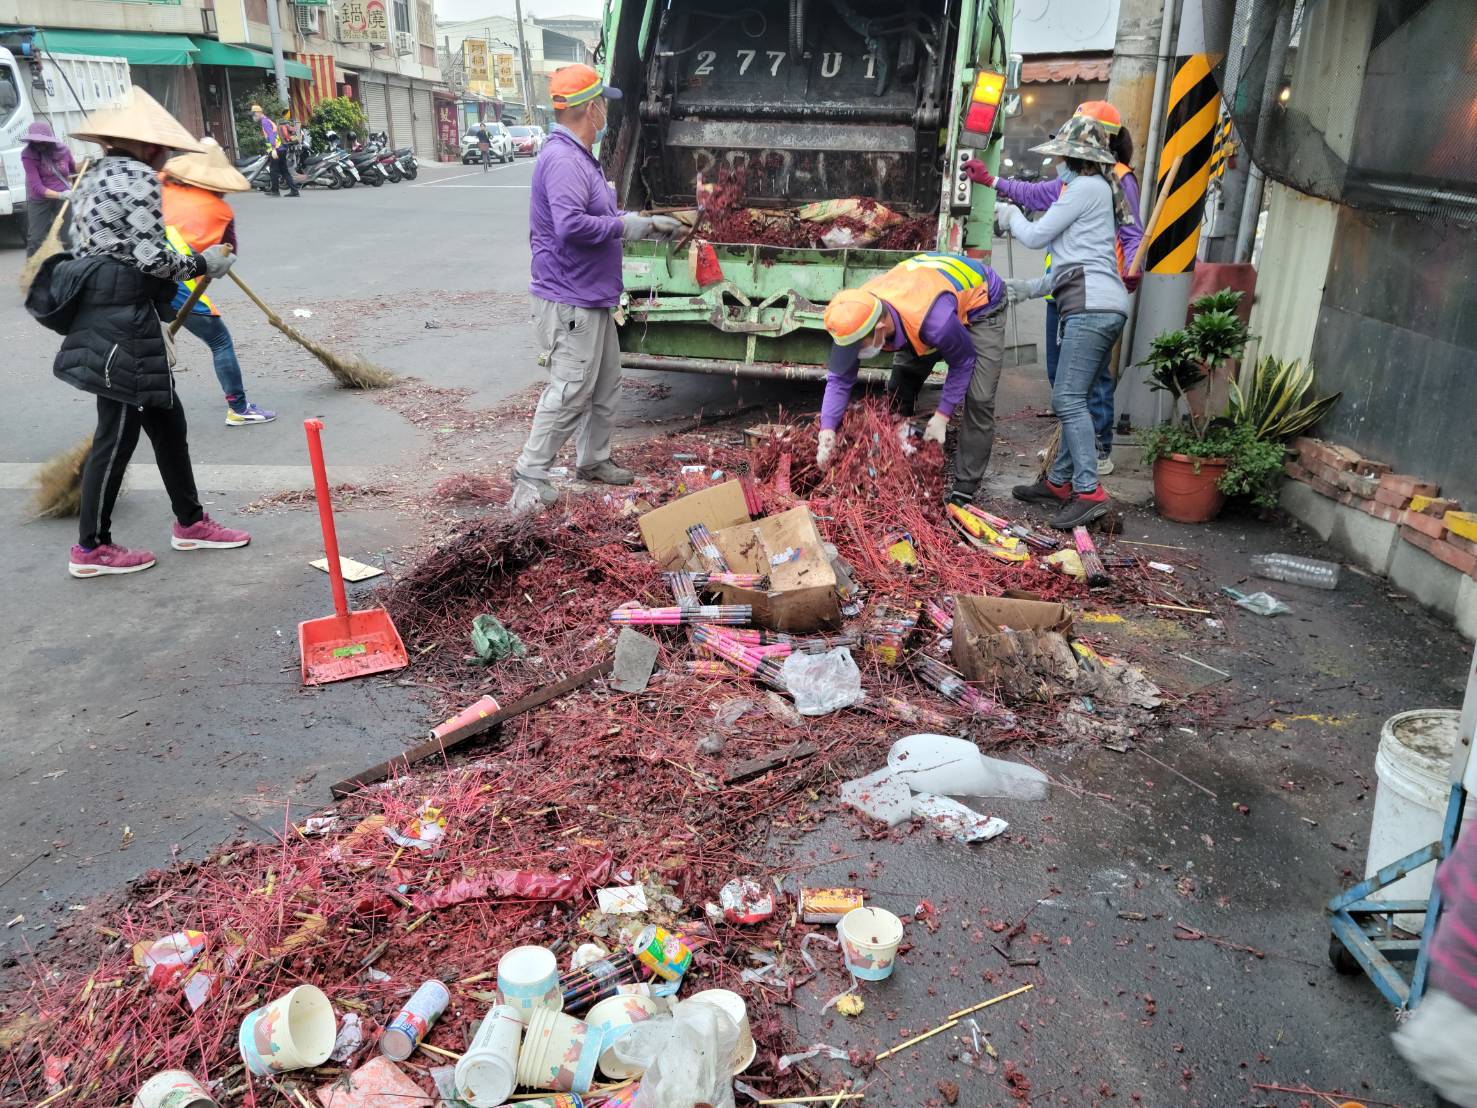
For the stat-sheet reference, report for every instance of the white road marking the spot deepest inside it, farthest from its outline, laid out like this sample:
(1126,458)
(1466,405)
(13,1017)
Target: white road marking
(489,186)
(471,173)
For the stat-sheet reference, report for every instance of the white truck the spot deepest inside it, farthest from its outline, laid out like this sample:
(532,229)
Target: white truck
(59,88)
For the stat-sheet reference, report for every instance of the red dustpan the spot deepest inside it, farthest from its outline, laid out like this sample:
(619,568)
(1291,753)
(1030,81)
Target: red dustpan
(346,644)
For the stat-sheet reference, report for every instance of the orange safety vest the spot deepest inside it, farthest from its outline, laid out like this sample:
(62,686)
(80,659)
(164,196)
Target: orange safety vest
(199,215)
(911,287)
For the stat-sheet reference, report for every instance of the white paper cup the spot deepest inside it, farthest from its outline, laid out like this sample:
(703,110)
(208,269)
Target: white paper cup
(528,980)
(295,1031)
(559,1052)
(732,1005)
(614,1016)
(869,941)
(173,1089)
(488,1071)
(412,1022)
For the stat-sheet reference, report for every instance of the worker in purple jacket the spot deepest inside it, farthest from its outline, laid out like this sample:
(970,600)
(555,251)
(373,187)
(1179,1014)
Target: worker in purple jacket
(49,170)
(575,231)
(1437,1041)
(1037,196)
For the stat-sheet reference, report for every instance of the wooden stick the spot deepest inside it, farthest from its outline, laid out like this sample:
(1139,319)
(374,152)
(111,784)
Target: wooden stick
(189,306)
(993,1000)
(1159,202)
(1160,545)
(1182,608)
(828,1098)
(1177,773)
(916,1039)
(455,1057)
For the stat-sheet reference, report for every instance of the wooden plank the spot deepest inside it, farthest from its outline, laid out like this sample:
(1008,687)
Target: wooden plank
(431,748)
(755,766)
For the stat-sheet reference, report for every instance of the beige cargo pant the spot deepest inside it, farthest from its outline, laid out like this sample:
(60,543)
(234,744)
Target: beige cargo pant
(581,351)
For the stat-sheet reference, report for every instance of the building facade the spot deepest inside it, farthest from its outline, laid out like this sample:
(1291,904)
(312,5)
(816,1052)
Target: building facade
(484,63)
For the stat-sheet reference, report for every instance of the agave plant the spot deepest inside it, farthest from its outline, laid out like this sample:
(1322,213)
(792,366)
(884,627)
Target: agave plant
(1273,405)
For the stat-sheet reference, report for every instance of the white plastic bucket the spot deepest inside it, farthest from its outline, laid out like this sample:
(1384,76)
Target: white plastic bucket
(1413,766)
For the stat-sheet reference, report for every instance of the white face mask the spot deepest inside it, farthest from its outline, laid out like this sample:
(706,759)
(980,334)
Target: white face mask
(869,350)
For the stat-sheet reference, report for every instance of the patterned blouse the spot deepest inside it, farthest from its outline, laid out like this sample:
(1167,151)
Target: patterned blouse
(117,212)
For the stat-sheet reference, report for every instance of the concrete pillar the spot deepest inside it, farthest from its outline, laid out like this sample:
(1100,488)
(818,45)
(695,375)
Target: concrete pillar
(1131,73)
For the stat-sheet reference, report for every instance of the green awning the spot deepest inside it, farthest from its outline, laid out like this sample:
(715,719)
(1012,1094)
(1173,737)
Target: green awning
(138,49)
(212,52)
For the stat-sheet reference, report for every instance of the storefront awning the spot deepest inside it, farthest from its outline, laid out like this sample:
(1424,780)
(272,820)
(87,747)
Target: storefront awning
(1081,67)
(211,52)
(137,49)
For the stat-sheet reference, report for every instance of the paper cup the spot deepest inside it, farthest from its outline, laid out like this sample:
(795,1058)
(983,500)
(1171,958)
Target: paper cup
(732,1005)
(528,980)
(294,1032)
(614,1016)
(488,1071)
(413,1021)
(173,1089)
(559,1052)
(869,941)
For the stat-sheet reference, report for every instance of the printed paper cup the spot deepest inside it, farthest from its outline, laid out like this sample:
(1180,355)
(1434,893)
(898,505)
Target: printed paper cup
(559,1053)
(732,1005)
(614,1016)
(173,1089)
(294,1032)
(528,980)
(488,1071)
(869,941)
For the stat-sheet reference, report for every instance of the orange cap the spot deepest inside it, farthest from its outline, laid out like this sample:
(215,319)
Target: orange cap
(1103,112)
(851,315)
(573,85)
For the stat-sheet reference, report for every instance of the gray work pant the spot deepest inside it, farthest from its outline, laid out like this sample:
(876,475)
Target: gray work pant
(976,421)
(580,349)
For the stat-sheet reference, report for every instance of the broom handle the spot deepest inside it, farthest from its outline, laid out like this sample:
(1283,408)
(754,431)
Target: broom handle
(1159,202)
(314,428)
(201,284)
(255,299)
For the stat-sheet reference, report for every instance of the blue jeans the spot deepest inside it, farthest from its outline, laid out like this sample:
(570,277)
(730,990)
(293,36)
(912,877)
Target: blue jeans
(211,330)
(1100,401)
(1087,340)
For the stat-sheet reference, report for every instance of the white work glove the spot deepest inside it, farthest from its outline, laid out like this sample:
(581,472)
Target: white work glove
(825,446)
(64,194)
(634,225)
(667,229)
(1003,213)
(1017,289)
(938,425)
(218,259)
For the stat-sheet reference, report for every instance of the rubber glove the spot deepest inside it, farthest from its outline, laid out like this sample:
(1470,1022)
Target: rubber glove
(1003,212)
(634,225)
(667,229)
(63,194)
(1016,290)
(938,426)
(975,170)
(825,446)
(218,259)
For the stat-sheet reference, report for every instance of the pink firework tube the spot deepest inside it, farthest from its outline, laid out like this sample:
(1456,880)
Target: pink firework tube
(712,669)
(950,684)
(1097,576)
(705,613)
(480,710)
(738,580)
(1019,530)
(684,589)
(939,616)
(819,644)
(713,640)
(752,501)
(707,550)
(409,1027)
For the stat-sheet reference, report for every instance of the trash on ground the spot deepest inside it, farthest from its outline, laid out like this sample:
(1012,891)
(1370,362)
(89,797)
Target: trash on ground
(829,905)
(352,570)
(1262,603)
(882,795)
(379,1083)
(822,683)
(949,817)
(951,766)
(492,642)
(635,658)
(624,900)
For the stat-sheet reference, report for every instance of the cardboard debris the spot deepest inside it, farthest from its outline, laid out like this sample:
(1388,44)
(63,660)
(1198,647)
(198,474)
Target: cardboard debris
(1016,645)
(664,529)
(352,570)
(802,588)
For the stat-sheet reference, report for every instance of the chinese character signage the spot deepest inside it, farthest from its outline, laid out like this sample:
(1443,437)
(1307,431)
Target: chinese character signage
(363,21)
(504,68)
(475,51)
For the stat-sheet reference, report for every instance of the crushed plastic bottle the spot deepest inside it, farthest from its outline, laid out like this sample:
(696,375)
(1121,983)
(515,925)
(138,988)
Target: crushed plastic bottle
(1296,570)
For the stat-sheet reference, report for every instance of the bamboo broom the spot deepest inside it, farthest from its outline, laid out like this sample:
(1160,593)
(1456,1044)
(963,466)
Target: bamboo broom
(52,243)
(351,372)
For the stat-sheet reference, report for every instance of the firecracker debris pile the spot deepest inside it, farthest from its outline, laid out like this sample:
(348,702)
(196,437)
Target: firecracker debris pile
(587,822)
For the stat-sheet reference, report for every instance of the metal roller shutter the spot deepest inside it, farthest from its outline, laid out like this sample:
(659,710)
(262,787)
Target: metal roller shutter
(376,105)
(425,123)
(400,133)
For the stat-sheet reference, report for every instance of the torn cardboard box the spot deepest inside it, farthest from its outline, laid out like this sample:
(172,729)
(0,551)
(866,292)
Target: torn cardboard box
(802,585)
(664,529)
(1016,646)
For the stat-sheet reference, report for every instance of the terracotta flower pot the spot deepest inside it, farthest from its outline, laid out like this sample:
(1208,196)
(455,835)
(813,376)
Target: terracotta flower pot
(1187,496)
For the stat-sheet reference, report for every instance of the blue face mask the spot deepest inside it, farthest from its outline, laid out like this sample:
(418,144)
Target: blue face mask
(600,134)
(1066,174)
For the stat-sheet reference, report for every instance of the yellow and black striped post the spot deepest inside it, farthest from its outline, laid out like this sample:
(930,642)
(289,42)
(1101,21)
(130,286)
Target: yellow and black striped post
(1189,132)
(1225,146)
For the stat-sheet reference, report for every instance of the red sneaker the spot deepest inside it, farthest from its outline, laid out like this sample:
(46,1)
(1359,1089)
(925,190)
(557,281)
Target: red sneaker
(1043,491)
(108,558)
(206,534)
(1082,509)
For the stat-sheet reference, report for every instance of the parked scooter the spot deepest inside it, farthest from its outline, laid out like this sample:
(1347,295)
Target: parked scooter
(404,155)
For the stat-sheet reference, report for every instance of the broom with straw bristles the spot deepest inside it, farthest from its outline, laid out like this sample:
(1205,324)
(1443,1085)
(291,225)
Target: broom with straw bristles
(351,372)
(52,243)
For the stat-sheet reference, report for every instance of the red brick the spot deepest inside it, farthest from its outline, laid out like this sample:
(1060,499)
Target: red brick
(1324,488)
(1368,468)
(1442,551)
(1363,487)
(1358,503)
(1343,458)
(1440,506)
(1460,543)
(1385,512)
(1295,471)
(1407,486)
(1328,472)
(1391,498)
(1423,523)
(1303,443)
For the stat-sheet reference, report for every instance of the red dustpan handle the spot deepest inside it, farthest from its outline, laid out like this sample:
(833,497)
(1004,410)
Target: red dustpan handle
(325,516)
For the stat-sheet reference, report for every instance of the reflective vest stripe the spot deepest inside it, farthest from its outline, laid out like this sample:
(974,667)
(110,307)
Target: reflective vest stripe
(961,273)
(178,244)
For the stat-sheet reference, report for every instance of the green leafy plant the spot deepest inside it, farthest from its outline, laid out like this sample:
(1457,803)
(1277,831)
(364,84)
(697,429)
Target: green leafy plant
(342,114)
(1180,360)
(1273,404)
(249,138)
(1253,464)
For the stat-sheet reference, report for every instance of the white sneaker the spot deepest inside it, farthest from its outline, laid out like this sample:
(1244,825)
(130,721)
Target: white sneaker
(1104,465)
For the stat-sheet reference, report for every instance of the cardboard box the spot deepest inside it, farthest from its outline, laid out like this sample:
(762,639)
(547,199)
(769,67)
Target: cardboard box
(664,529)
(802,589)
(1013,646)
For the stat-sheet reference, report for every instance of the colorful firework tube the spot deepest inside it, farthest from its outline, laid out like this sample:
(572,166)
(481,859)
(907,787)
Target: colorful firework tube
(558,1100)
(951,685)
(707,550)
(737,580)
(662,952)
(585,985)
(409,1027)
(1019,530)
(753,503)
(480,710)
(735,614)
(939,616)
(782,475)
(1097,576)
(713,639)
(684,589)
(982,529)
(711,669)
(819,644)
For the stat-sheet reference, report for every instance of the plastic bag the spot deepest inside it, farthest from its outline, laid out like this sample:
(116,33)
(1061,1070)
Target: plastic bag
(1262,603)
(949,817)
(822,683)
(493,642)
(687,1056)
(955,767)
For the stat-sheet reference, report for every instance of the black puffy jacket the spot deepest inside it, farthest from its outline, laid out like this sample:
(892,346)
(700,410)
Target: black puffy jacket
(110,314)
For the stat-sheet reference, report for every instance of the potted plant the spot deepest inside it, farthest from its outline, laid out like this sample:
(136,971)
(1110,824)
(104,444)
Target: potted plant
(1193,451)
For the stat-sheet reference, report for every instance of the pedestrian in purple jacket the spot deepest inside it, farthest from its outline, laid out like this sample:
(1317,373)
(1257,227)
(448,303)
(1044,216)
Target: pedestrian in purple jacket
(49,169)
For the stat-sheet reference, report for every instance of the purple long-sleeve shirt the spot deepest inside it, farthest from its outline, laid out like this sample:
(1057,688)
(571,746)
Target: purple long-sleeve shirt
(941,330)
(1037,196)
(574,227)
(46,168)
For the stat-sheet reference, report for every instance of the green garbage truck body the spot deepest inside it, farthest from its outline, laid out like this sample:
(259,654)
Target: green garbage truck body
(802,102)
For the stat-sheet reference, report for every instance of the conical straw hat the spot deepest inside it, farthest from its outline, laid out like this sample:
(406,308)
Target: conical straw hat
(209,170)
(141,118)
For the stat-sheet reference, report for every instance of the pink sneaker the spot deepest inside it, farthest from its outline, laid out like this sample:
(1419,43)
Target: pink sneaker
(206,534)
(108,558)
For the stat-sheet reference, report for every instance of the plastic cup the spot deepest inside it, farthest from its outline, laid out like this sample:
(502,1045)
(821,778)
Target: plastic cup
(173,1089)
(528,980)
(732,1005)
(559,1053)
(488,1072)
(614,1016)
(869,941)
(413,1021)
(295,1031)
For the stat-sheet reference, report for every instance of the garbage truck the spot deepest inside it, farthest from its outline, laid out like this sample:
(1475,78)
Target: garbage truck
(815,143)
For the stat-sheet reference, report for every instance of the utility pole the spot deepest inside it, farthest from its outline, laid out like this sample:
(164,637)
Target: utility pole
(1131,75)
(528,92)
(274,24)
